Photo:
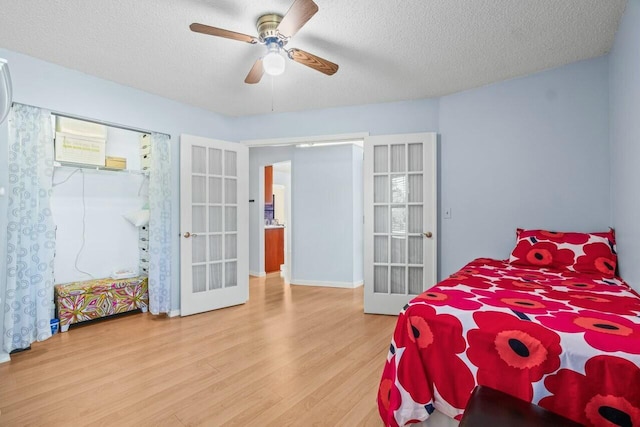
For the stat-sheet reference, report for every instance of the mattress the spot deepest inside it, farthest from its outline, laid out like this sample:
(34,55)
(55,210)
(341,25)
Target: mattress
(567,341)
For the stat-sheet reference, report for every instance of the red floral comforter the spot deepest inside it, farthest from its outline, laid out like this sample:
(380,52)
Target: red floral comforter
(566,341)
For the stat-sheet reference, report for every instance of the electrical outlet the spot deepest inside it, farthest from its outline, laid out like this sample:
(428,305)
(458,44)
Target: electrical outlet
(447,213)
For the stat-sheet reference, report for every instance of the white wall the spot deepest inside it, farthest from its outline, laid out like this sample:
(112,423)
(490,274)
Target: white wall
(625,142)
(282,193)
(111,242)
(281,187)
(124,143)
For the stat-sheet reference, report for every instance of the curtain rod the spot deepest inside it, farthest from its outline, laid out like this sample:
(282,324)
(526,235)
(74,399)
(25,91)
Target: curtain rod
(100,122)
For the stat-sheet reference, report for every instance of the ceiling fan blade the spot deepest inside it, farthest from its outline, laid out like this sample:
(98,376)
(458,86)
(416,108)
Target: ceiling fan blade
(255,74)
(297,15)
(315,62)
(219,32)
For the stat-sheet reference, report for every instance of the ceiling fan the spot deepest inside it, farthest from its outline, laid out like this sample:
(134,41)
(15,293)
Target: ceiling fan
(275,31)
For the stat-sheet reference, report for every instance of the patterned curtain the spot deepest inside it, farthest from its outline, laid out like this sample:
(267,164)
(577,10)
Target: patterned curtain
(30,229)
(160,225)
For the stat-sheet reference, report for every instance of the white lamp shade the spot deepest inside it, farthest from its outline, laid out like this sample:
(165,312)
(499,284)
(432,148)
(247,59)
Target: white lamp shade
(273,63)
(5,90)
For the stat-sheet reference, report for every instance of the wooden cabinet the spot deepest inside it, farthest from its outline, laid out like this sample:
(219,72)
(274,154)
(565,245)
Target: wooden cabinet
(273,249)
(268,185)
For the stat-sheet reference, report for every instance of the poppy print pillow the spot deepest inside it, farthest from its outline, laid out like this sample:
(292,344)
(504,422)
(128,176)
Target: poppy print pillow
(590,253)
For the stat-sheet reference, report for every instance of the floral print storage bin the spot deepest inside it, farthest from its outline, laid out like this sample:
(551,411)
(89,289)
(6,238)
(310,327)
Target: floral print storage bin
(92,299)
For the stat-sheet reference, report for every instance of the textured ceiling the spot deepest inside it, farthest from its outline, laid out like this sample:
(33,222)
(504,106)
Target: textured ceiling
(387,50)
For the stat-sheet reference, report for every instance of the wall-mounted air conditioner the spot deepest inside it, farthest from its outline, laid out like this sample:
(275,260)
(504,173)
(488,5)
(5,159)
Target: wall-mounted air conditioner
(78,141)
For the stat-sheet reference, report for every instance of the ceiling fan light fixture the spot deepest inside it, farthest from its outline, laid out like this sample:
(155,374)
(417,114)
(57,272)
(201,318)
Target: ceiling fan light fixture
(273,62)
(275,31)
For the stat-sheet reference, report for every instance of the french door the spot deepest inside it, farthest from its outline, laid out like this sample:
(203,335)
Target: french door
(400,203)
(214,224)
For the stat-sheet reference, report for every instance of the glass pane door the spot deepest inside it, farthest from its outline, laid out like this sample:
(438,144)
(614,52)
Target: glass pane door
(213,240)
(400,204)
(214,215)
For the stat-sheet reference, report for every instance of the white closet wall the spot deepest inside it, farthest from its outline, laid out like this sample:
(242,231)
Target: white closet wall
(111,242)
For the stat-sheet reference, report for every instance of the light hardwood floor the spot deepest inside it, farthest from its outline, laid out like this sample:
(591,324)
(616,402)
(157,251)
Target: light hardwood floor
(293,355)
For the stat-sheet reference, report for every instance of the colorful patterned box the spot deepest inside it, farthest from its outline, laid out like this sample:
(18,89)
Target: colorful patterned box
(92,299)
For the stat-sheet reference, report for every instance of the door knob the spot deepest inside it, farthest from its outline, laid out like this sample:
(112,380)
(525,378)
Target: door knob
(428,234)
(187,235)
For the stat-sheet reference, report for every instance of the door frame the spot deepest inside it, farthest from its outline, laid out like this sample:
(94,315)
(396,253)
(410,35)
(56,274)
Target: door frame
(283,142)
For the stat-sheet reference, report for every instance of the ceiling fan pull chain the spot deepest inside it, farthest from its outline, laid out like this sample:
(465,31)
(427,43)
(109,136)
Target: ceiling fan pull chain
(272,94)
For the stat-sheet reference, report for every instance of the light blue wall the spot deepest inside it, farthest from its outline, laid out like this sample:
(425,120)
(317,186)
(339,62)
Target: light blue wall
(625,142)
(50,86)
(322,202)
(324,205)
(377,119)
(529,152)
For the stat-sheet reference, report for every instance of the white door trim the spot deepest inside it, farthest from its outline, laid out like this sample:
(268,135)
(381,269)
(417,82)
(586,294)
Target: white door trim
(355,136)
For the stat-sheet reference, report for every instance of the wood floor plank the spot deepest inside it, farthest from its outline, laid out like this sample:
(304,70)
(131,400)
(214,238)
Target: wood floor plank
(293,355)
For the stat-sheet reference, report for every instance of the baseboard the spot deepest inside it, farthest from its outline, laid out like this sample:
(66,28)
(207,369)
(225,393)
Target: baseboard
(257,274)
(4,357)
(174,313)
(349,285)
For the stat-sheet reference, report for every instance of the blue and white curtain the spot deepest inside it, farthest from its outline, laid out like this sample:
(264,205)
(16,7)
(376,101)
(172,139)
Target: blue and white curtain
(30,229)
(160,225)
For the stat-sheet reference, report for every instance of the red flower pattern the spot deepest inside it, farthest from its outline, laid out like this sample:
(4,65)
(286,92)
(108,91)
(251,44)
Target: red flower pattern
(464,279)
(451,297)
(388,394)
(525,302)
(598,258)
(571,238)
(520,301)
(531,273)
(599,301)
(586,285)
(590,253)
(558,236)
(519,285)
(505,352)
(608,394)
(541,254)
(511,353)
(439,340)
(603,331)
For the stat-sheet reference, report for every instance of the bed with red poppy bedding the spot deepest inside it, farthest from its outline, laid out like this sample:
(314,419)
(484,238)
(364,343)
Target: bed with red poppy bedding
(537,326)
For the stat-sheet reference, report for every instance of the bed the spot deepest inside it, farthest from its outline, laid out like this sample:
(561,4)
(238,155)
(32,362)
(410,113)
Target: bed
(552,325)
